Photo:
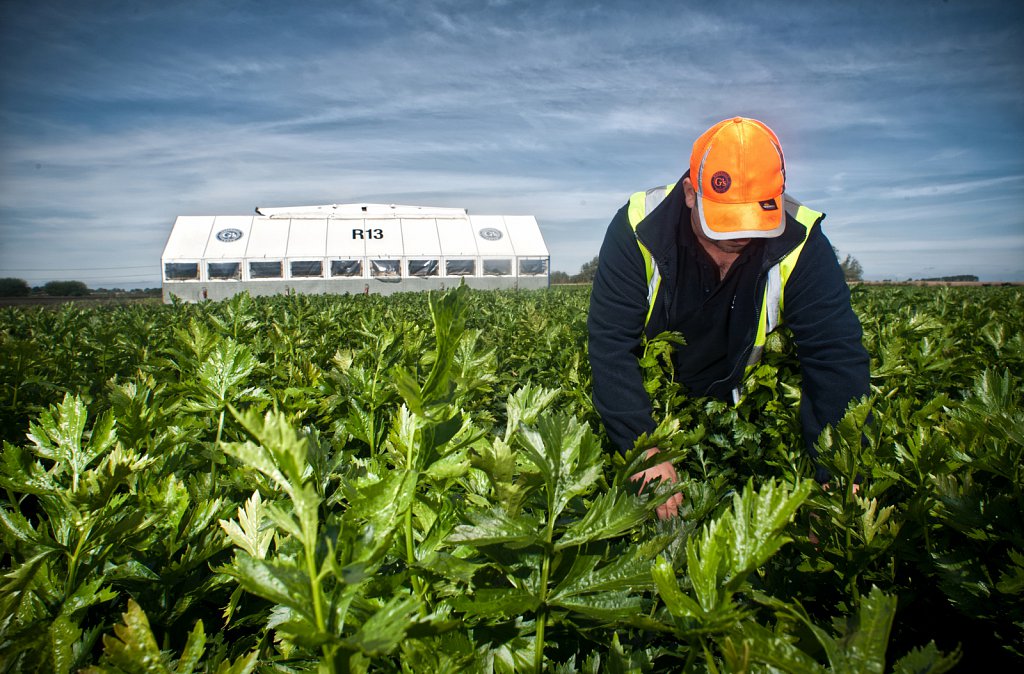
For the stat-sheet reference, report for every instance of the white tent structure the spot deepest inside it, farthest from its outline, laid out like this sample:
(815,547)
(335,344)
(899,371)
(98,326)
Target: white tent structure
(350,248)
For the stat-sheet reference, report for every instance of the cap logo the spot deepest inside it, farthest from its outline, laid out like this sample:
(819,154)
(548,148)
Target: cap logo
(769,205)
(721,182)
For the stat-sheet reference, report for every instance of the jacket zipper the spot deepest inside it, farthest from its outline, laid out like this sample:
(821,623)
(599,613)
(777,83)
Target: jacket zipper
(745,355)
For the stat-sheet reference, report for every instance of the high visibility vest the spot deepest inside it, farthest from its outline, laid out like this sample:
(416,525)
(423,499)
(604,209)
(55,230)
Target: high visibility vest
(641,204)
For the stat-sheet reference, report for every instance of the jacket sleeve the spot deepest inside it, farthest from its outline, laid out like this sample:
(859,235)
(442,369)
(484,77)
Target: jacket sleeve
(834,364)
(618,308)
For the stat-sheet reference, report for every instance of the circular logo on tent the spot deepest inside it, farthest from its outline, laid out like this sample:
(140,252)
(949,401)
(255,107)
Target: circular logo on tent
(720,182)
(490,233)
(229,235)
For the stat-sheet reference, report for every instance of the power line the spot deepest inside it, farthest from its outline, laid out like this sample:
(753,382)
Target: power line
(95,278)
(44,269)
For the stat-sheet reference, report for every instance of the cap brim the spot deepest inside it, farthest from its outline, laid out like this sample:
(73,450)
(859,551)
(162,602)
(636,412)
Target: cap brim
(740,221)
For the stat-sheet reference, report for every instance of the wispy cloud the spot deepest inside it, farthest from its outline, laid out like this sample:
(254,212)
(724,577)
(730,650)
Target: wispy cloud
(945,189)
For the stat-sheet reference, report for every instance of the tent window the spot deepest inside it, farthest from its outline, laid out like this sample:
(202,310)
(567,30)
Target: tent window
(182,271)
(389,268)
(224,271)
(265,269)
(307,268)
(533,267)
(346,268)
(460,267)
(497,267)
(423,268)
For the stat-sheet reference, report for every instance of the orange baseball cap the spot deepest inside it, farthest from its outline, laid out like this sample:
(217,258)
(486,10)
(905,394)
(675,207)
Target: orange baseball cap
(739,173)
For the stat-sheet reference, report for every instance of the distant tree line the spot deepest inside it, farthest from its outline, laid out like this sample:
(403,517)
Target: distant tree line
(16,287)
(852,271)
(959,277)
(586,275)
(66,289)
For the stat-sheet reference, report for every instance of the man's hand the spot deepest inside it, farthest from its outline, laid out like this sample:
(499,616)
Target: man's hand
(856,487)
(665,472)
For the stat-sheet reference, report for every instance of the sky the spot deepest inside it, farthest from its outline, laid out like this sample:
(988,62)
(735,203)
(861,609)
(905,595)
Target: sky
(902,121)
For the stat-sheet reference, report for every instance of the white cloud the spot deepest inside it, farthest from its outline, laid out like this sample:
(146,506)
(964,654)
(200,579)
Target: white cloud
(933,190)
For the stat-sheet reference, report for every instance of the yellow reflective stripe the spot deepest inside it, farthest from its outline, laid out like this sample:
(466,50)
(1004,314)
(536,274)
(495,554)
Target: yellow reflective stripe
(808,218)
(653,279)
(653,286)
(768,317)
(772,302)
(636,211)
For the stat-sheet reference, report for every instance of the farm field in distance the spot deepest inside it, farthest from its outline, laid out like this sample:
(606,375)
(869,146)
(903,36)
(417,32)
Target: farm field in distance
(420,483)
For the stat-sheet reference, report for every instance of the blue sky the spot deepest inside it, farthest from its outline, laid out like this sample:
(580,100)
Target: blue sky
(903,121)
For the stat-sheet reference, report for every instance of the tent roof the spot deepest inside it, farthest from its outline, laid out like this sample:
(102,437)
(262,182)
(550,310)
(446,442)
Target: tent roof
(357,211)
(354,231)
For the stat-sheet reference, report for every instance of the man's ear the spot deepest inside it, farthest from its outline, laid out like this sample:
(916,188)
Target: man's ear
(689,193)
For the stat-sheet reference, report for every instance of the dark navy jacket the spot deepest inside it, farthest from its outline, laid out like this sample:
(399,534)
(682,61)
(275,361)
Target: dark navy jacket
(827,334)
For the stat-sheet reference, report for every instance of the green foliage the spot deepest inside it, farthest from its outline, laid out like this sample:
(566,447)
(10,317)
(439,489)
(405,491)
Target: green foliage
(421,483)
(317,576)
(544,543)
(80,522)
(133,649)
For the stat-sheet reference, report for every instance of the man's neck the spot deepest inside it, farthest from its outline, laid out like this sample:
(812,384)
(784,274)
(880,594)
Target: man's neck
(723,261)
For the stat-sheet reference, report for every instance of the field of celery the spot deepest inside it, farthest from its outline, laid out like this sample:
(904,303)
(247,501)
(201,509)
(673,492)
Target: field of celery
(420,483)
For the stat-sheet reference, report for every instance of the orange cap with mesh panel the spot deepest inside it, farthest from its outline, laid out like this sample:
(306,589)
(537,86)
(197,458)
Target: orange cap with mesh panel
(739,173)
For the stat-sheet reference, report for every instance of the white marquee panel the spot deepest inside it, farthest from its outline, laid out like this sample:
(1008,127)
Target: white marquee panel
(268,238)
(383,238)
(342,240)
(307,238)
(188,237)
(492,236)
(229,237)
(420,238)
(525,235)
(457,237)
